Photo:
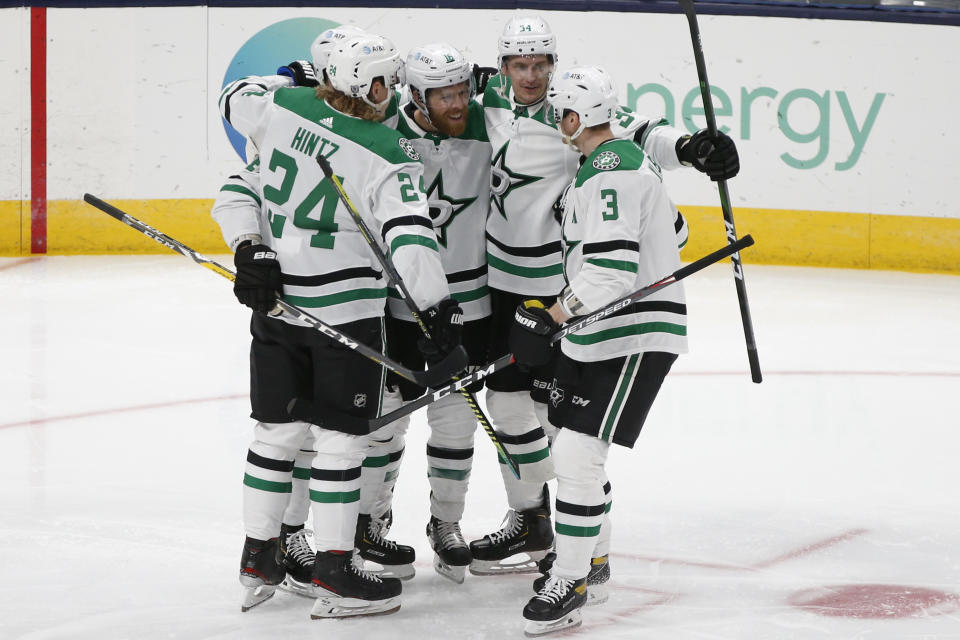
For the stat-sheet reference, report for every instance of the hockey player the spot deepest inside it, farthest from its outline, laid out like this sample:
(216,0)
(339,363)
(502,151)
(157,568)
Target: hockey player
(618,235)
(302,245)
(379,468)
(530,172)
(446,127)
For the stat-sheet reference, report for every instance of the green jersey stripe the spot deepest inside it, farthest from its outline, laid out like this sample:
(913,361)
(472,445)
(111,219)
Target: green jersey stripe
(336,298)
(335,497)
(406,239)
(375,462)
(526,272)
(626,380)
(267,485)
(469,296)
(577,532)
(301,473)
(527,458)
(629,330)
(448,474)
(622,265)
(239,189)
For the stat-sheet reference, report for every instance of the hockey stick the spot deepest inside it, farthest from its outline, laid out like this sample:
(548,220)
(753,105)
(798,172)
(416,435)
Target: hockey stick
(303,410)
(439,374)
(391,271)
(708,112)
(638,295)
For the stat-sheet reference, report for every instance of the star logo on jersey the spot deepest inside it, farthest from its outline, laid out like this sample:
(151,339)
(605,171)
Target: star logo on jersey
(444,208)
(504,181)
(606,161)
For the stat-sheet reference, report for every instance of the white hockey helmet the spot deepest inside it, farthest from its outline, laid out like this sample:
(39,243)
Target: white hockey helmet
(527,36)
(354,64)
(433,66)
(326,41)
(588,91)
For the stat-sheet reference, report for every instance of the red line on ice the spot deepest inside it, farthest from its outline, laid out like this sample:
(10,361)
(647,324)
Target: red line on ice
(104,412)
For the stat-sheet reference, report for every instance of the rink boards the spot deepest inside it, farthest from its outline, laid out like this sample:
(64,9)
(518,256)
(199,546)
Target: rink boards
(842,137)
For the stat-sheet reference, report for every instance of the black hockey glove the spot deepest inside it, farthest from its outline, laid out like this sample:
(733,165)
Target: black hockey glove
(715,156)
(530,334)
(259,282)
(302,73)
(445,323)
(560,204)
(482,75)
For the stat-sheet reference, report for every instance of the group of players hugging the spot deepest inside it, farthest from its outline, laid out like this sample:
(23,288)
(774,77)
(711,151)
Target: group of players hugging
(507,201)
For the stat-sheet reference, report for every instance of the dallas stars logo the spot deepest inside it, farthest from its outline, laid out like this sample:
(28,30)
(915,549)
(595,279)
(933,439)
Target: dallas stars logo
(504,180)
(444,208)
(606,161)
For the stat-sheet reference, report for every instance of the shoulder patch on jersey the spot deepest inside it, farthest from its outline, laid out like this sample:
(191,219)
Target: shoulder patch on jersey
(408,149)
(606,160)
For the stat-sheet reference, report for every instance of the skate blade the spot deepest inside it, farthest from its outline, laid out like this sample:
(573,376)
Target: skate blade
(513,564)
(450,572)
(254,595)
(336,607)
(401,571)
(537,628)
(597,594)
(305,589)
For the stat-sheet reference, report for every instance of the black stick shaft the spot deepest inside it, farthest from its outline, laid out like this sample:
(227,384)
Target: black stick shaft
(640,294)
(731,229)
(394,275)
(425,378)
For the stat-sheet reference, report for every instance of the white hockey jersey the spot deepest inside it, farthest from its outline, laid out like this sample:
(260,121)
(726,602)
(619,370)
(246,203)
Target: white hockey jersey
(328,268)
(531,167)
(618,237)
(269,84)
(456,175)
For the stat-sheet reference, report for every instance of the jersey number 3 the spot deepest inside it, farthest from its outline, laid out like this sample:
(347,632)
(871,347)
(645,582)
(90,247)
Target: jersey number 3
(610,211)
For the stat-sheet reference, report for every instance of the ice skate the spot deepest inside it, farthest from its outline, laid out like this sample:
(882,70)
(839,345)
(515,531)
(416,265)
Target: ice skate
(344,589)
(555,607)
(260,571)
(597,591)
(298,557)
(451,553)
(527,534)
(395,559)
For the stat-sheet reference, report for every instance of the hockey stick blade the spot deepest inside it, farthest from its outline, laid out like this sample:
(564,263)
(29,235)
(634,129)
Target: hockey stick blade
(304,410)
(638,295)
(449,366)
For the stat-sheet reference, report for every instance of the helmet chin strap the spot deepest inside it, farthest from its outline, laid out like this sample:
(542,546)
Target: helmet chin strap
(380,107)
(422,107)
(568,140)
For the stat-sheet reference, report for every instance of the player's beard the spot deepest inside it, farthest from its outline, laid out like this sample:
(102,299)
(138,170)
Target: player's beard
(450,127)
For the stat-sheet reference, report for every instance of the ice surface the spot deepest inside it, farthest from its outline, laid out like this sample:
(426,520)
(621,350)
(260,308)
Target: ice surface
(822,503)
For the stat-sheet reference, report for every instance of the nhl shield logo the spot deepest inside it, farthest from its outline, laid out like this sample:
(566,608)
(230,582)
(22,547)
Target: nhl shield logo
(606,161)
(360,400)
(408,149)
